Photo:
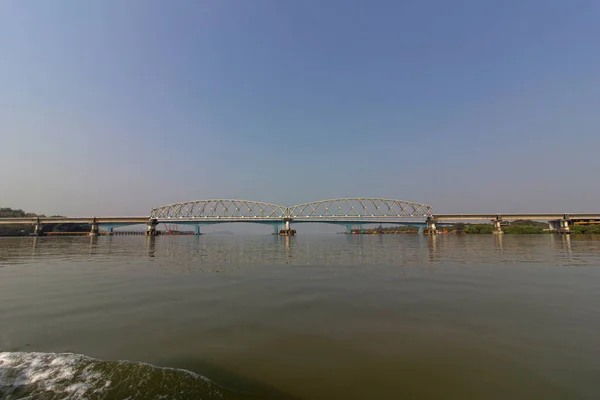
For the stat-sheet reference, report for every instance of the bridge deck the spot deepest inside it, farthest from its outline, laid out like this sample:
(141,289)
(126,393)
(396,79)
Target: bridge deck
(313,219)
(75,220)
(512,217)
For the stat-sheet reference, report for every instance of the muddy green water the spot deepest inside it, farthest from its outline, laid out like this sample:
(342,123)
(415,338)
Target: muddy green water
(307,317)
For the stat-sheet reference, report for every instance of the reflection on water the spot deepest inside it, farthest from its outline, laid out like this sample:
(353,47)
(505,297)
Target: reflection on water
(150,245)
(418,250)
(312,317)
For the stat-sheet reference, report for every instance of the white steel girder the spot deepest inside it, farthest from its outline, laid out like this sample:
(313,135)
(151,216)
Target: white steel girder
(333,209)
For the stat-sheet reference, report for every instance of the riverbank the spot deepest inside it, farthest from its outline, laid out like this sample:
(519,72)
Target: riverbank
(514,228)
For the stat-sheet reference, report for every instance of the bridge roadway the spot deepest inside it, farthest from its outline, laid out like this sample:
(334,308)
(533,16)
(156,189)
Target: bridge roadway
(513,217)
(75,220)
(555,220)
(123,221)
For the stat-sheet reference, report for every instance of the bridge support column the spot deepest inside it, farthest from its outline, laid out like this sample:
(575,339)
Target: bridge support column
(94,229)
(287,231)
(151,224)
(564,226)
(276,228)
(431,228)
(554,225)
(197,230)
(37,229)
(498,226)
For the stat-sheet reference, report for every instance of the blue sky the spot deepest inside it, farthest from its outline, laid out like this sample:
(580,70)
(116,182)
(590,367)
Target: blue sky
(113,107)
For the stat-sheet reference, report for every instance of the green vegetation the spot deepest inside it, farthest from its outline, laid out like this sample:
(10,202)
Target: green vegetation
(27,229)
(586,229)
(520,227)
(523,229)
(7,212)
(478,228)
(391,230)
(515,227)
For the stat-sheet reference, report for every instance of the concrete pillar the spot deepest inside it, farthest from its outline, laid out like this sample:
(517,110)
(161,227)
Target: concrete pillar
(151,231)
(287,231)
(431,228)
(94,229)
(197,230)
(498,227)
(564,226)
(37,229)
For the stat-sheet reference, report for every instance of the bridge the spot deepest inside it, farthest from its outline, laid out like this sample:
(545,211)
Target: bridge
(343,211)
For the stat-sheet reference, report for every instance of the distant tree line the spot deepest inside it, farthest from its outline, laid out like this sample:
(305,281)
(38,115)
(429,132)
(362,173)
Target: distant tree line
(586,229)
(520,227)
(392,229)
(513,228)
(7,212)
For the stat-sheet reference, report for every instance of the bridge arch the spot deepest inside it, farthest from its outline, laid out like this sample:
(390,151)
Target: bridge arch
(359,207)
(217,209)
(342,209)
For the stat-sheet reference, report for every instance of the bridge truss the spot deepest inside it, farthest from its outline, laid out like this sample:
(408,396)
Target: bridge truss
(220,209)
(355,209)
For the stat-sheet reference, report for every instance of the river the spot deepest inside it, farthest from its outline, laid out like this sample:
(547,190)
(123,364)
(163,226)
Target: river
(305,317)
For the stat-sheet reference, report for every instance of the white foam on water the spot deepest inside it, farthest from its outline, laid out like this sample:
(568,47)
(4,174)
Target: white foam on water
(48,372)
(74,376)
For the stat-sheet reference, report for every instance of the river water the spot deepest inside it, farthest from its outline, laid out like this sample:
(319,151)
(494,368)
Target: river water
(307,317)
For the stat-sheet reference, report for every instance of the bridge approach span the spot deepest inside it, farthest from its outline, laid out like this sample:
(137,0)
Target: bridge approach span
(513,217)
(74,220)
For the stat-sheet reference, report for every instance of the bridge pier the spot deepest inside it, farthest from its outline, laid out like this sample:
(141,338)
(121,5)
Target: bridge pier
(431,228)
(94,228)
(287,231)
(498,226)
(564,226)
(197,230)
(37,229)
(151,224)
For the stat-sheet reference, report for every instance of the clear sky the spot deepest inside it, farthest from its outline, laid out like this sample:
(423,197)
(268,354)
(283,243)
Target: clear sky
(112,107)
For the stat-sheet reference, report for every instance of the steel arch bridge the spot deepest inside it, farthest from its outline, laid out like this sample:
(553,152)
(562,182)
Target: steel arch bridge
(343,210)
